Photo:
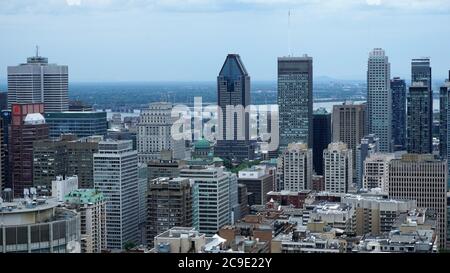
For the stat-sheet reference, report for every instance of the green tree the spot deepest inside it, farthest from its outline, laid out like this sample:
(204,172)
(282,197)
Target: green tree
(129,245)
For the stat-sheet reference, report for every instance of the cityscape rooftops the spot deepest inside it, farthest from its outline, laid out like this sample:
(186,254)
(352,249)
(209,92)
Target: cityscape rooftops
(84,196)
(23,205)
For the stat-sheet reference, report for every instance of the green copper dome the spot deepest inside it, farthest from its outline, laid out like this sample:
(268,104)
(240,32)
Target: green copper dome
(202,144)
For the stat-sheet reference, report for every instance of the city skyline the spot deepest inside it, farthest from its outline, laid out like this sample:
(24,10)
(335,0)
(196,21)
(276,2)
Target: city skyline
(177,41)
(154,144)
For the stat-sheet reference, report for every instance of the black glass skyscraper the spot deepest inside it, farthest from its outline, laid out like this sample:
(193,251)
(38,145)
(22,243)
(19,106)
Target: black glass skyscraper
(444,93)
(233,89)
(419,120)
(398,87)
(420,108)
(295,100)
(322,137)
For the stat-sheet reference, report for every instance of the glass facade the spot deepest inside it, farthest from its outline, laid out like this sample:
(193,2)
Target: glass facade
(81,124)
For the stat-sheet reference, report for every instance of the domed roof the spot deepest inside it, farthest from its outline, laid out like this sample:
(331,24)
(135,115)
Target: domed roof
(202,144)
(34,119)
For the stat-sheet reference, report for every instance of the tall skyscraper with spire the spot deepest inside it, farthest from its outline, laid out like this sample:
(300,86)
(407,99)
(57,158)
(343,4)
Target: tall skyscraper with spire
(233,93)
(295,100)
(379,98)
(37,81)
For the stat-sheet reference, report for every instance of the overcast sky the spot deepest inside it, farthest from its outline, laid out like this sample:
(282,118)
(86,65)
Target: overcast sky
(187,40)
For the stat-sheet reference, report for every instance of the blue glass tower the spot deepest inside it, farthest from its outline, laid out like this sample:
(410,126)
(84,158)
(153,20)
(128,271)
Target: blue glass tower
(233,90)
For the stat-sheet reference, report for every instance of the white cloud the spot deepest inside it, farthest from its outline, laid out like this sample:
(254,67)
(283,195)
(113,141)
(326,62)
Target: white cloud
(73,2)
(37,6)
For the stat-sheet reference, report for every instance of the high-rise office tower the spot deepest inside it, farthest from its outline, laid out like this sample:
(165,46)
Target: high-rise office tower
(448,218)
(424,179)
(444,145)
(66,156)
(234,213)
(2,157)
(233,91)
(37,81)
(213,207)
(154,133)
(295,100)
(243,200)
(322,137)
(143,186)
(28,125)
(376,171)
(91,205)
(3,101)
(116,176)
(81,124)
(169,203)
(398,87)
(80,159)
(6,168)
(257,182)
(49,161)
(379,98)
(349,125)
(444,93)
(419,119)
(297,167)
(338,169)
(421,72)
(367,147)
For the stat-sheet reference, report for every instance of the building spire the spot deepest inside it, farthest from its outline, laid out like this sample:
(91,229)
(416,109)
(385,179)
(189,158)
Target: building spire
(37,51)
(289,33)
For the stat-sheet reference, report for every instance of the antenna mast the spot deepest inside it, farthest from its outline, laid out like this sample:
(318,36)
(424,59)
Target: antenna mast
(37,51)
(289,33)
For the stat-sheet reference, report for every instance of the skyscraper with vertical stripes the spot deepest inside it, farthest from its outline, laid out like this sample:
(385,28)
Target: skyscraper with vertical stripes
(379,98)
(37,81)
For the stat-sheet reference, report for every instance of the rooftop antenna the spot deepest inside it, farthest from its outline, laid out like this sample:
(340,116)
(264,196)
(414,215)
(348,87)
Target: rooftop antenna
(37,51)
(289,33)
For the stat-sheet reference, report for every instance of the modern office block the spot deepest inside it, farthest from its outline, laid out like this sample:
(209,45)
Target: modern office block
(257,182)
(28,125)
(80,124)
(338,170)
(116,176)
(322,137)
(295,100)
(398,87)
(49,161)
(349,123)
(424,179)
(419,119)
(376,172)
(37,81)
(213,196)
(297,167)
(379,98)
(233,92)
(170,204)
(80,159)
(367,147)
